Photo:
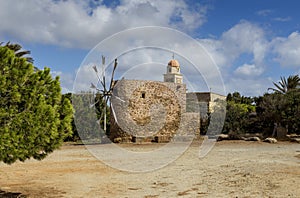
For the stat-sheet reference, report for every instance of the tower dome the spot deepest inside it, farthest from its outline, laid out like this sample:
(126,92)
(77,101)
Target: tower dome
(173,72)
(173,63)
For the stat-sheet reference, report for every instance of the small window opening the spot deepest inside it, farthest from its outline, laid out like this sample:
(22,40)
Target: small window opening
(143,95)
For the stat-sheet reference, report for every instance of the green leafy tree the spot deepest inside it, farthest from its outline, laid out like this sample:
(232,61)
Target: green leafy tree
(238,111)
(292,111)
(286,96)
(34,120)
(270,111)
(237,117)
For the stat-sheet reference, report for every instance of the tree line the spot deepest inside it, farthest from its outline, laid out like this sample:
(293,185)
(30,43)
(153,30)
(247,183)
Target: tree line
(263,114)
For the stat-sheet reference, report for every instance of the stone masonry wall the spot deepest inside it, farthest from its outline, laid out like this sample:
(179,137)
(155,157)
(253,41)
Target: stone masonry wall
(146,109)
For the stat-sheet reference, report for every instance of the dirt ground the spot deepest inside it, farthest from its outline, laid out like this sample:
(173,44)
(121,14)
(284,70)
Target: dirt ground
(231,169)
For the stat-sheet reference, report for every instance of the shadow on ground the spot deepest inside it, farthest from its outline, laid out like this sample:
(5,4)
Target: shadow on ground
(4,194)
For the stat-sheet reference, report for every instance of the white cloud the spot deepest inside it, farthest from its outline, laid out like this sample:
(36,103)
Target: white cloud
(282,19)
(136,56)
(245,37)
(249,87)
(246,43)
(249,71)
(216,49)
(264,12)
(288,50)
(75,23)
(86,75)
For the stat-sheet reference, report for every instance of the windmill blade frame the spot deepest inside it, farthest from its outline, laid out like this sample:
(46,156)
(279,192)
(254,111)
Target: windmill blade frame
(112,76)
(106,93)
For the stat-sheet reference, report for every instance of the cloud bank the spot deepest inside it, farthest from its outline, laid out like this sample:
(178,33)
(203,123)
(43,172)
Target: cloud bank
(82,24)
(245,53)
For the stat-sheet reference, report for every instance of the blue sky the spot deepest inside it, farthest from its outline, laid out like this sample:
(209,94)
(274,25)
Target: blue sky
(252,42)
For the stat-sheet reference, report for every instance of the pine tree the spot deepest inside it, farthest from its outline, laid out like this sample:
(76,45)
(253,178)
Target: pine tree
(33,118)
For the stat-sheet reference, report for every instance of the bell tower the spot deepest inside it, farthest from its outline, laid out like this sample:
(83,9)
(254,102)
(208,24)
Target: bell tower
(173,72)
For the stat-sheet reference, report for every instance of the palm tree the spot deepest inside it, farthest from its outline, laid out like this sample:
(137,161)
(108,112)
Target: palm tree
(18,52)
(286,85)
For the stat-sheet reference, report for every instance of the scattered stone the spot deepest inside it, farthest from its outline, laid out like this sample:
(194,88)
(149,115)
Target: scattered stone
(118,140)
(255,139)
(293,136)
(222,137)
(270,140)
(295,140)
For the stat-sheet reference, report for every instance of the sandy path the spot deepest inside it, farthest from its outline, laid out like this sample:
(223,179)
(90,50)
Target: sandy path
(231,169)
